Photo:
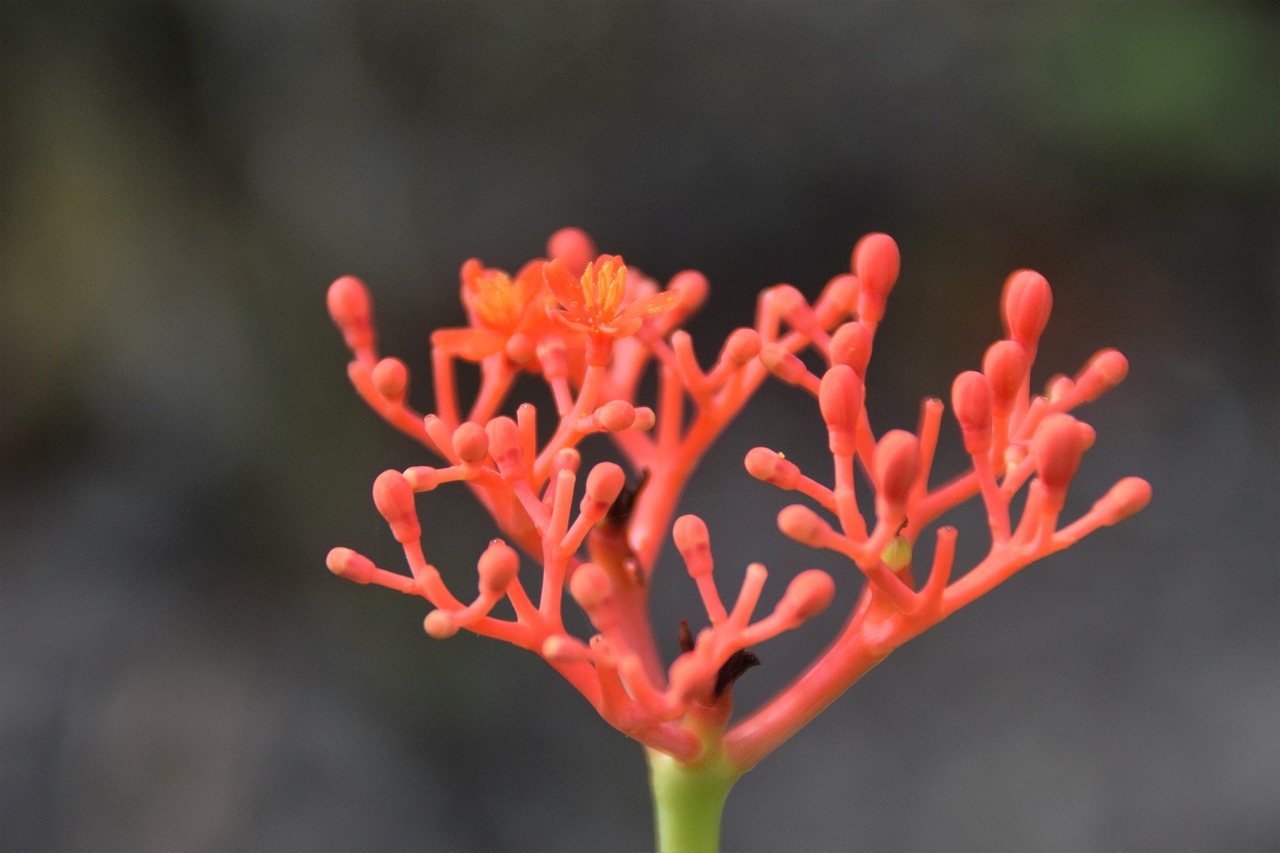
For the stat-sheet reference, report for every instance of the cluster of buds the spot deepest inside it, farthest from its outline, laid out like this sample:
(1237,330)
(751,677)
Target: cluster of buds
(590,327)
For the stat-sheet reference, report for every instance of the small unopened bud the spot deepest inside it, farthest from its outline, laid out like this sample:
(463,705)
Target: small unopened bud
(840,399)
(498,566)
(808,594)
(346,563)
(520,348)
(971,399)
(1058,386)
(764,464)
(876,263)
(1127,497)
(796,309)
(783,364)
(897,461)
(1005,366)
(393,497)
(616,415)
(504,446)
(645,419)
(440,625)
(591,588)
(839,299)
(391,379)
(851,345)
(573,248)
(349,306)
(693,289)
(552,358)
(805,526)
(1104,371)
(742,346)
(1057,446)
(471,443)
(605,483)
(694,544)
(1025,306)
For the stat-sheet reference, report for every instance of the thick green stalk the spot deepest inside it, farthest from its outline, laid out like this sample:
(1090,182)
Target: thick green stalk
(688,801)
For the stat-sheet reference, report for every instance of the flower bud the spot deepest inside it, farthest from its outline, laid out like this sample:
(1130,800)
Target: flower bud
(561,648)
(1127,497)
(1025,306)
(802,524)
(897,461)
(693,289)
(796,309)
(808,594)
(1005,366)
(742,346)
(971,399)
(591,588)
(471,443)
(605,483)
(391,379)
(783,364)
(504,446)
(764,464)
(573,248)
(440,625)
(498,566)
(1104,371)
(346,563)
(851,345)
(840,399)
(694,544)
(349,306)
(393,497)
(839,299)
(616,415)
(876,263)
(1057,447)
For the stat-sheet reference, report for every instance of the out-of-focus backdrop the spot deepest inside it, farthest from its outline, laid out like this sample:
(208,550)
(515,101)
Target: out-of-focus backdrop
(179,446)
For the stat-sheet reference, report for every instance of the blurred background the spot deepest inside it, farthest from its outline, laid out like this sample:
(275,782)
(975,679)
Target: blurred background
(179,446)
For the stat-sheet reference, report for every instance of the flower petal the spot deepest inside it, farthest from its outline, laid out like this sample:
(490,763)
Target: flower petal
(651,306)
(566,288)
(471,344)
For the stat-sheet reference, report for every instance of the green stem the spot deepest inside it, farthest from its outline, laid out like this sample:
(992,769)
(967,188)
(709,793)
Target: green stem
(688,800)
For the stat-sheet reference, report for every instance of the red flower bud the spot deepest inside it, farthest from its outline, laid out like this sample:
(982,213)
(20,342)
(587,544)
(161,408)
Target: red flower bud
(840,399)
(471,443)
(1058,445)
(764,464)
(504,445)
(1105,370)
(802,524)
(393,497)
(851,345)
(876,263)
(1005,366)
(1127,497)
(573,248)
(971,399)
(346,563)
(742,346)
(808,594)
(391,378)
(897,461)
(498,566)
(694,544)
(605,483)
(1025,306)
(349,306)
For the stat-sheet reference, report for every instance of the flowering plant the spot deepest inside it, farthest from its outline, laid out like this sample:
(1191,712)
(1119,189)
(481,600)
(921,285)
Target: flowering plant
(590,327)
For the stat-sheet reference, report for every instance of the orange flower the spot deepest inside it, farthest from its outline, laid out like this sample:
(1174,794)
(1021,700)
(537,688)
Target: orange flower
(595,303)
(501,309)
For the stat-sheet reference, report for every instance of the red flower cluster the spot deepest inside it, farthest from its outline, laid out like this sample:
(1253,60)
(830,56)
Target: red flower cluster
(590,329)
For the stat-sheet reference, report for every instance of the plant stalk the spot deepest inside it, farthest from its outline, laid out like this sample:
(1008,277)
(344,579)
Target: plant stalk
(688,800)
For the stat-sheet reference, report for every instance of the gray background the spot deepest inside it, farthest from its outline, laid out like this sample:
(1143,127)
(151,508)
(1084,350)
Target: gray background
(180,448)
